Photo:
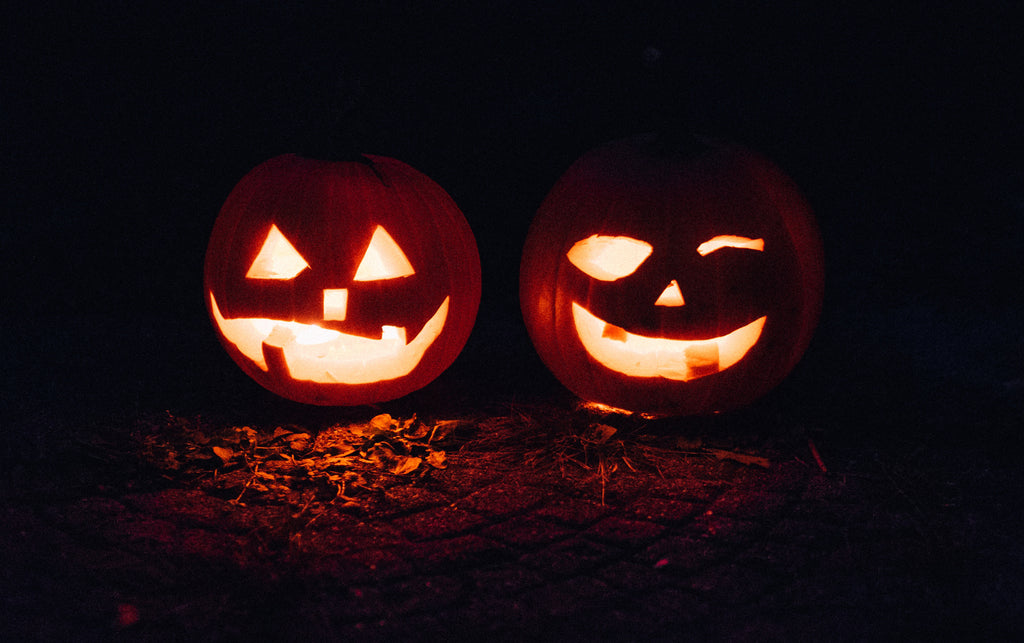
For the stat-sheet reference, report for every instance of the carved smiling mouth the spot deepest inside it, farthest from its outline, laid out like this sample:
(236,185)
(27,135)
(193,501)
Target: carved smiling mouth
(327,356)
(674,359)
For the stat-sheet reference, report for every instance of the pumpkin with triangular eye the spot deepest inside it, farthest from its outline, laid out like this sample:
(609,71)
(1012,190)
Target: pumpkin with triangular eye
(671,278)
(341,282)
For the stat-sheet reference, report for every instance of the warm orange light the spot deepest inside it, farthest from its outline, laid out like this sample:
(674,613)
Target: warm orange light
(383,259)
(598,407)
(729,241)
(671,296)
(608,258)
(335,304)
(674,359)
(329,356)
(277,258)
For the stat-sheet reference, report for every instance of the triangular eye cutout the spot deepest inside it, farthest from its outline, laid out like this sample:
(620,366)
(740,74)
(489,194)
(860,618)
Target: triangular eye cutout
(277,259)
(383,259)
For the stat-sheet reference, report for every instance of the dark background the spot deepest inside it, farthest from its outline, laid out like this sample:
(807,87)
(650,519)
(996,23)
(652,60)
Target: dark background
(125,127)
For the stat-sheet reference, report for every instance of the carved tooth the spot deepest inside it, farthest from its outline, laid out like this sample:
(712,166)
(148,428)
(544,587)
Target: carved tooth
(702,358)
(393,332)
(614,333)
(277,363)
(280,336)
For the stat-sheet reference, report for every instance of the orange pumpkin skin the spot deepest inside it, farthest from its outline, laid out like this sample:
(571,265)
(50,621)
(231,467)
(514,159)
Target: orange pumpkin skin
(327,306)
(675,201)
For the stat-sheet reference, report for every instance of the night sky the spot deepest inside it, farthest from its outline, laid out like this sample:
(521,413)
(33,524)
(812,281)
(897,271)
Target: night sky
(125,127)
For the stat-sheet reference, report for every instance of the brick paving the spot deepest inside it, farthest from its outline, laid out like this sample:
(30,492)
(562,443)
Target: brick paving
(701,549)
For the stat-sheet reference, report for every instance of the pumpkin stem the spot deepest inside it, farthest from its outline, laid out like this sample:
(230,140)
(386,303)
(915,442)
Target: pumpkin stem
(352,157)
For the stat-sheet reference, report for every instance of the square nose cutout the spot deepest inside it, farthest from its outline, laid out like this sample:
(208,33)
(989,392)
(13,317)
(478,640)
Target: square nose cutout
(335,304)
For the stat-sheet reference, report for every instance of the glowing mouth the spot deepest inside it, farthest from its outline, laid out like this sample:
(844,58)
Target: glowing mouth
(328,356)
(674,359)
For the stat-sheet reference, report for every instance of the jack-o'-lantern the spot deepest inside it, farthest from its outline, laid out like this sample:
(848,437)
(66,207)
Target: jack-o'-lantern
(341,282)
(671,279)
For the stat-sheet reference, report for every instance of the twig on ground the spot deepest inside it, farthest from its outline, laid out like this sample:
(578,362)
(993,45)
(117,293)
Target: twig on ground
(817,456)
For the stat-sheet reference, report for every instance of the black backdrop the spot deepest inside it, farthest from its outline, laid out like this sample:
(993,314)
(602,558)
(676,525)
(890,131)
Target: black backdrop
(125,127)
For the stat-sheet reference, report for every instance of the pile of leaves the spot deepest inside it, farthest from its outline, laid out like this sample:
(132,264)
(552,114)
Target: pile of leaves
(291,465)
(348,463)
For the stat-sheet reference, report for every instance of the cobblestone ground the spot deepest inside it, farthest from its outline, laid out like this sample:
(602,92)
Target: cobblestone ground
(692,547)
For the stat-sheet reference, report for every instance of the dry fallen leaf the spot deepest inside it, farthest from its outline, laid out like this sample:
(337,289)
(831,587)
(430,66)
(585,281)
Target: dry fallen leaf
(405,465)
(437,459)
(382,423)
(600,433)
(420,431)
(300,442)
(442,428)
(224,454)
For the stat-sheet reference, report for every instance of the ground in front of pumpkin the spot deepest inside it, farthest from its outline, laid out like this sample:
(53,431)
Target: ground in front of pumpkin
(533,520)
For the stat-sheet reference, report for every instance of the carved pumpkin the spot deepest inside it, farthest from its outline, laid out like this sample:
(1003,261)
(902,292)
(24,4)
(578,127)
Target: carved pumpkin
(341,283)
(671,280)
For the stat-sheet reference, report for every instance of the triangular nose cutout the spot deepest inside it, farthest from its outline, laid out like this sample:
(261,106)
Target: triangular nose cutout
(671,296)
